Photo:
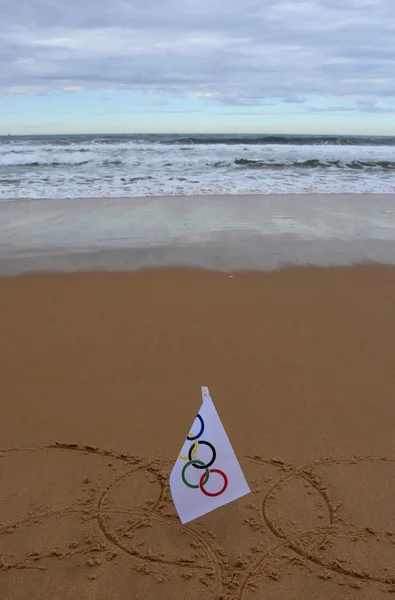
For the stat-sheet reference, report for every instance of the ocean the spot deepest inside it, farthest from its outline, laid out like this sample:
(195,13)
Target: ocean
(94,166)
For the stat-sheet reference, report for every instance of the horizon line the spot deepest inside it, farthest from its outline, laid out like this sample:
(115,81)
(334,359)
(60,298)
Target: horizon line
(190,133)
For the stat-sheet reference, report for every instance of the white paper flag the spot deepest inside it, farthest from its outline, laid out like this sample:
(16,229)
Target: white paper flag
(206,474)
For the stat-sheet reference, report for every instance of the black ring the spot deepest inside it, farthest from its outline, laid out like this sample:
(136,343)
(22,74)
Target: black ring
(195,437)
(209,463)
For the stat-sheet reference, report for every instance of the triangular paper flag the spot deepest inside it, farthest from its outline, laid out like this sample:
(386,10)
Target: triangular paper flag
(206,474)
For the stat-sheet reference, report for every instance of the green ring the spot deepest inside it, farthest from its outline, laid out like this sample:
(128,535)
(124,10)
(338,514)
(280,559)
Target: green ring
(191,462)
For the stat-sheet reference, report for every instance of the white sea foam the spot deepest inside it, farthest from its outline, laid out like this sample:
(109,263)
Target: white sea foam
(37,168)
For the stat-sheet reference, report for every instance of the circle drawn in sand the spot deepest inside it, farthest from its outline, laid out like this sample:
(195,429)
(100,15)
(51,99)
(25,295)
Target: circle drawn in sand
(312,551)
(131,530)
(311,540)
(130,506)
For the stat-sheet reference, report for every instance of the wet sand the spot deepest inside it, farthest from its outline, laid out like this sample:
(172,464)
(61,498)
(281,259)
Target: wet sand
(217,232)
(100,377)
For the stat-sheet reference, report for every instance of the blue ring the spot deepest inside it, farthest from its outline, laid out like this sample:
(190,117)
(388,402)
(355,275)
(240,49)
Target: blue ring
(195,437)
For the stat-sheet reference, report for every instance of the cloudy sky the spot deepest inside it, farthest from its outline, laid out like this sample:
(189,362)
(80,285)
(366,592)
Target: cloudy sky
(298,66)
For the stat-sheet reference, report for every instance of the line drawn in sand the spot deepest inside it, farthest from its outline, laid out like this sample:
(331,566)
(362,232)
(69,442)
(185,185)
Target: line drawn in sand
(118,526)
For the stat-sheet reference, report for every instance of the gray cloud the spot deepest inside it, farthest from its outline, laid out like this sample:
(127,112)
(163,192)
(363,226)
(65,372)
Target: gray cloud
(224,51)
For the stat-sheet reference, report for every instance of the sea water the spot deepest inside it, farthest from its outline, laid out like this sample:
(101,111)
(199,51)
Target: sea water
(155,165)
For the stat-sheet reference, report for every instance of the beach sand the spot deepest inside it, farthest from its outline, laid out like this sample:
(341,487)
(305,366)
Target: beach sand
(100,377)
(222,233)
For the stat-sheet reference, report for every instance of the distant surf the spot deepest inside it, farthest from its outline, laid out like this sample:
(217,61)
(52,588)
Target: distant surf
(142,165)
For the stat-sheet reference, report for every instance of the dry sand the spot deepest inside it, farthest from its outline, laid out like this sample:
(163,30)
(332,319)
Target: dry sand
(100,377)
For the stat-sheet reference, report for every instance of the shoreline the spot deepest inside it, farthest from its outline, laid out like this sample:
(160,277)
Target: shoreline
(259,257)
(223,233)
(202,195)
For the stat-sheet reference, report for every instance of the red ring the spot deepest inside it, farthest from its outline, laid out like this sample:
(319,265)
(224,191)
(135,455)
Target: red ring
(201,483)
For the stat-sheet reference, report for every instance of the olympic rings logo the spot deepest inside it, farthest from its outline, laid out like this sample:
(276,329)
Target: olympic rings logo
(198,464)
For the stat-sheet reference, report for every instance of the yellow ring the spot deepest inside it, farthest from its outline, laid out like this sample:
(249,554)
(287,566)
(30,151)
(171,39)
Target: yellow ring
(194,451)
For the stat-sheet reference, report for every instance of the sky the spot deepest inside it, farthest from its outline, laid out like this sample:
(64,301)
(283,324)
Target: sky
(174,66)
